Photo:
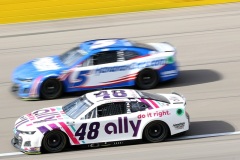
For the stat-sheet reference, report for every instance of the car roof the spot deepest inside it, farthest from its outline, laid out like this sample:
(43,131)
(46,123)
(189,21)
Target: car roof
(105,43)
(103,95)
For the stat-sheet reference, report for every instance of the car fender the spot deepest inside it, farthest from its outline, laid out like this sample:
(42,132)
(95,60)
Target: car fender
(37,84)
(39,137)
(37,142)
(149,68)
(145,123)
(170,120)
(59,129)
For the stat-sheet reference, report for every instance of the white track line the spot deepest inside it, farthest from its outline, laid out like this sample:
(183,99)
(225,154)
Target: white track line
(10,154)
(178,138)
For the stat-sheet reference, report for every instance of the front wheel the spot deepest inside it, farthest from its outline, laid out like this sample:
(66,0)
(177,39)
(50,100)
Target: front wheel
(54,141)
(155,131)
(51,89)
(147,79)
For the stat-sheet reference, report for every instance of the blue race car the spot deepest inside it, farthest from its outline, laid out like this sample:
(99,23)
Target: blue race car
(95,64)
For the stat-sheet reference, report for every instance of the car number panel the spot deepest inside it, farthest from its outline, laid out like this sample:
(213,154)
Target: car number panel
(105,129)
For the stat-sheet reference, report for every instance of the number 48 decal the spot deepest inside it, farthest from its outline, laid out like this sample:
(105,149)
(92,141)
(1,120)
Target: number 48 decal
(92,133)
(115,93)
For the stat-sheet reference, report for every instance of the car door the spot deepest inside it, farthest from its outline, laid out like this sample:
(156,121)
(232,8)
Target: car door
(108,122)
(104,69)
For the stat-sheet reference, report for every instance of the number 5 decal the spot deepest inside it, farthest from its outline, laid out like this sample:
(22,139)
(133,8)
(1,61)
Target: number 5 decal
(81,78)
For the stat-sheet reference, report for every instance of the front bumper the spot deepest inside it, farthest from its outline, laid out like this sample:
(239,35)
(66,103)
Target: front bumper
(23,91)
(27,150)
(25,143)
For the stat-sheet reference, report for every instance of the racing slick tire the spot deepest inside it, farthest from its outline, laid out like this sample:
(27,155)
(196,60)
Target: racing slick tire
(51,89)
(147,79)
(54,141)
(155,131)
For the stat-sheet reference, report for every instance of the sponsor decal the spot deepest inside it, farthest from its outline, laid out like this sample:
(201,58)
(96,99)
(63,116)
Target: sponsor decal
(180,112)
(175,99)
(118,128)
(154,114)
(123,125)
(45,115)
(132,66)
(170,60)
(82,76)
(161,104)
(179,125)
(169,73)
(45,64)
(22,120)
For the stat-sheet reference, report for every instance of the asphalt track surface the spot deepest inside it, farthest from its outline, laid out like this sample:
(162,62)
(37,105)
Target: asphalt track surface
(208,43)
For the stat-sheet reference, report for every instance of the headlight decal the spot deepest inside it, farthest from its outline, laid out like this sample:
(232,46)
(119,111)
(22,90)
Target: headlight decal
(24,132)
(25,79)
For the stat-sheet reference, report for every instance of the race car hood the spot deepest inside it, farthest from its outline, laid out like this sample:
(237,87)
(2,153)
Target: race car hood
(41,117)
(37,67)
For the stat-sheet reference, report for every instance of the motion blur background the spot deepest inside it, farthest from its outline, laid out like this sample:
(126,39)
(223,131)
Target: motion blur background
(205,33)
(37,10)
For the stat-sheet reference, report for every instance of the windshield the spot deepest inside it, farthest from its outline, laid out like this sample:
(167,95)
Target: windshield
(77,107)
(72,56)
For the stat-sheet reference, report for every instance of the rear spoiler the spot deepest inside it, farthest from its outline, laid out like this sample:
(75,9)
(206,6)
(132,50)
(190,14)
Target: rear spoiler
(180,96)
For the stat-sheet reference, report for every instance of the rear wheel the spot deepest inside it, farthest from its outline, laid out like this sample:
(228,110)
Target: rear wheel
(51,89)
(155,131)
(147,79)
(54,141)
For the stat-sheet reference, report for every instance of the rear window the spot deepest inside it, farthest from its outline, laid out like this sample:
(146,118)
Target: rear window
(143,45)
(105,57)
(130,55)
(153,96)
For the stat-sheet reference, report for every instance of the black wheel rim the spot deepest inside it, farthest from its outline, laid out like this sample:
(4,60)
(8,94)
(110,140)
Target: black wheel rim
(50,88)
(156,131)
(147,78)
(54,141)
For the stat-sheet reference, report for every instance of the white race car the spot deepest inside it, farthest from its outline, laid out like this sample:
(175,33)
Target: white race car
(102,117)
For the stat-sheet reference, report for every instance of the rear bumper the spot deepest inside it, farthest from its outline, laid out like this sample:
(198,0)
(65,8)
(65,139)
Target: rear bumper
(168,72)
(188,117)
